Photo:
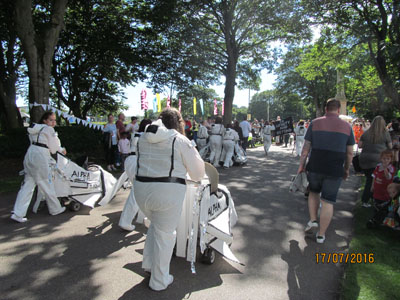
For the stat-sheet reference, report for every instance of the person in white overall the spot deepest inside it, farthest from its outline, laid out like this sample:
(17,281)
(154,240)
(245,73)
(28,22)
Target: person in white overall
(266,134)
(229,140)
(164,157)
(131,208)
(38,168)
(217,132)
(300,132)
(202,136)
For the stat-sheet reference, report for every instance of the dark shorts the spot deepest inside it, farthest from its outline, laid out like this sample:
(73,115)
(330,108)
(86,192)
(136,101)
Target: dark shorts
(328,186)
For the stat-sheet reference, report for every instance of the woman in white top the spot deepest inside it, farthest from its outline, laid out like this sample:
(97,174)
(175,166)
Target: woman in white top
(217,132)
(266,133)
(164,157)
(38,168)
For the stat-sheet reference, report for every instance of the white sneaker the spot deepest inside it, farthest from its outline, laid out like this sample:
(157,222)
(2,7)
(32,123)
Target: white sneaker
(129,227)
(320,238)
(366,205)
(60,212)
(18,219)
(311,226)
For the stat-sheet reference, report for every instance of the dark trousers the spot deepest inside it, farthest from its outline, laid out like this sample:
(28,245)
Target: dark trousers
(245,141)
(110,154)
(380,211)
(367,195)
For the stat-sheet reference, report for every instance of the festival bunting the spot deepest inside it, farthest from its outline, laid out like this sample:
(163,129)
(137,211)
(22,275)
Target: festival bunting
(143,99)
(158,102)
(215,107)
(194,106)
(202,106)
(168,102)
(180,105)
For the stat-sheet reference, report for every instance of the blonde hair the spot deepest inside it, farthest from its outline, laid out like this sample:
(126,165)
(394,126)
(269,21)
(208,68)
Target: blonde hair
(377,130)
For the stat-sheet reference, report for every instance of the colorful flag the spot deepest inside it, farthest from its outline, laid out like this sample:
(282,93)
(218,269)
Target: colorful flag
(158,102)
(223,107)
(202,106)
(194,106)
(353,109)
(168,102)
(143,96)
(180,104)
(155,104)
(215,107)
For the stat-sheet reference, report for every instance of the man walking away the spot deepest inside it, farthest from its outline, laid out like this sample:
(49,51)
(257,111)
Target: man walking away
(330,141)
(246,129)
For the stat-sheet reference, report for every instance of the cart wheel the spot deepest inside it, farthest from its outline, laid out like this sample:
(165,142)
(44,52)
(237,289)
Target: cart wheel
(74,206)
(208,256)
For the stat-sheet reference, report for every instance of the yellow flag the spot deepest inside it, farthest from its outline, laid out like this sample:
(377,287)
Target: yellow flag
(194,106)
(158,102)
(353,109)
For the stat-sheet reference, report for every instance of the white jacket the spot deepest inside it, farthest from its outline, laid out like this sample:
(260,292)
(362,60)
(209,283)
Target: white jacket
(217,129)
(267,129)
(231,135)
(44,134)
(156,153)
(300,130)
(203,133)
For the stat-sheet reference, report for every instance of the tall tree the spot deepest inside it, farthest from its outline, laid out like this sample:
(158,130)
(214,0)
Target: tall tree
(38,26)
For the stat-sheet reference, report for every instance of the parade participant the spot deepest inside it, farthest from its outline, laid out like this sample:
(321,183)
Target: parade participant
(229,140)
(217,132)
(202,136)
(329,141)
(246,129)
(266,133)
(38,168)
(130,207)
(110,147)
(300,132)
(164,156)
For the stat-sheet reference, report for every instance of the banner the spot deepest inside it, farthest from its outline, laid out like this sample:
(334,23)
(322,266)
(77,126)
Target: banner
(168,102)
(155,104)
(223,107)
(202,106)
(158,102)
(194,106)
(215,107)
(283,126)
(143,100)
(180,105)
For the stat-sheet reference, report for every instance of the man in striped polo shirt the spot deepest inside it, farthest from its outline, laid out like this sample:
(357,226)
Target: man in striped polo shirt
(329,141)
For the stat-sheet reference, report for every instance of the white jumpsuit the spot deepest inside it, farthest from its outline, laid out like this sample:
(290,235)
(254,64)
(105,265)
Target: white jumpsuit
(230,139)
(130,208)
(164,156)
(202,136)
(266,132)
(38,165)
(300,132)
(217,132)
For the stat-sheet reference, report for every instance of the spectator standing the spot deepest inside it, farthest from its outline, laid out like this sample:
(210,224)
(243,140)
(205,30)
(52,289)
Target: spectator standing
(110,147)
(330,141)
(246,129)
(237,128)
(120,129)
(372,142)
(124,148)
(132,127)
(188,128)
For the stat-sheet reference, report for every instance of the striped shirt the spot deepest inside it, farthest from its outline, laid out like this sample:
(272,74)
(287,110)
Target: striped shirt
(329,137)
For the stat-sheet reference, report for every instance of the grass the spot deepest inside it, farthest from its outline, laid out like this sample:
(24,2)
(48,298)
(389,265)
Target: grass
(381,279)
(10,184)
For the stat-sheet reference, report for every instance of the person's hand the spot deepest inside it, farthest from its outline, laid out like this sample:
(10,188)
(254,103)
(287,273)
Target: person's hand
(346,174)
(64,151)
(301,169)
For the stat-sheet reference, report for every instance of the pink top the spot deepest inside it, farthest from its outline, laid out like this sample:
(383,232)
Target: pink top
(124,146)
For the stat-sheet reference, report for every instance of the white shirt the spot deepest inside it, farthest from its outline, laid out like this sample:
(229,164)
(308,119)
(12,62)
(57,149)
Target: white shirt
(267,129)
(246,128)
(131,128)
(124,146)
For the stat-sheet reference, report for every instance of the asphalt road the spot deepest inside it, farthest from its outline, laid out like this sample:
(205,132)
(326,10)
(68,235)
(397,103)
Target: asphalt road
(85,255)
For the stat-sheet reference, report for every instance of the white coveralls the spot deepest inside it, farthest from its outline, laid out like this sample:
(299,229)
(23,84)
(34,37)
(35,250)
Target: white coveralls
(300,132)
(202,136)
(266,132)
(230,139)
(130,208)
(164,156)
(38,165)
(217,132)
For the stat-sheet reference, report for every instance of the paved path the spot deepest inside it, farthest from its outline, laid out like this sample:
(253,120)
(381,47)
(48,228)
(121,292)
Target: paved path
(85,256)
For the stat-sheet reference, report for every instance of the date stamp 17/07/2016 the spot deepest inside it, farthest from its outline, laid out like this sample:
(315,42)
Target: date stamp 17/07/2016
(344,258)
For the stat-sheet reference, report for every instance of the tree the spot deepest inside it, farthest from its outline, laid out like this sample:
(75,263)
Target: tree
(38,26)
(10,61)
(233,31)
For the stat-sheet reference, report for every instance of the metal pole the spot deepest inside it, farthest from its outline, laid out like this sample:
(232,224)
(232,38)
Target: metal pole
(268,110)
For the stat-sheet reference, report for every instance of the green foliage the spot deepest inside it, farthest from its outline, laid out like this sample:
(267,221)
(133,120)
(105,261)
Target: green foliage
(239,113)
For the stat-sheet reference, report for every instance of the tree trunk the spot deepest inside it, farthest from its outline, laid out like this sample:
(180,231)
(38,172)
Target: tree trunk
(229,94)
(11,116)
(38,45)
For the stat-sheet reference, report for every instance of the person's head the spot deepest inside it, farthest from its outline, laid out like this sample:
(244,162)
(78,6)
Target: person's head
(202,122)
(386,157)
(218,120)
(236,124)
(332,106)
(143,124)
(48,118)
(266,123)
(301,123)
(377,129)
(121,117)
(229,125)
(110,118)
(393,190)
(124,135)
(133,120)
(172,119)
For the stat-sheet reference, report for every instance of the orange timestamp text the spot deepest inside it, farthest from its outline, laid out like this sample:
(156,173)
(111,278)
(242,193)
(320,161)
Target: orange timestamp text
(346,258)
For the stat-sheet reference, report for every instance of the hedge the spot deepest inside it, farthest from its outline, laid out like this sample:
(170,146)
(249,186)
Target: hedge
(78,140)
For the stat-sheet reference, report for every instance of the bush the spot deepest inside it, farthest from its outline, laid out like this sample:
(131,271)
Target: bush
(78,140)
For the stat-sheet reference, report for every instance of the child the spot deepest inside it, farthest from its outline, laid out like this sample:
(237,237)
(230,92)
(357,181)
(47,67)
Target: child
(393,217)
(124,147)
(383,176)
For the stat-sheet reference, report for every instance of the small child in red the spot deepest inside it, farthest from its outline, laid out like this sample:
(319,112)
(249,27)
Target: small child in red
(383,176)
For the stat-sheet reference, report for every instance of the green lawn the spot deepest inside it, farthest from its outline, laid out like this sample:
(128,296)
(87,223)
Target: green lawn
(381,279)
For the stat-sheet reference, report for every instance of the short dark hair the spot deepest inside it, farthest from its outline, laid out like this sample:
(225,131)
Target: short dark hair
(332,104)
(45,116)
(143,124)
(218,120)
(133,118)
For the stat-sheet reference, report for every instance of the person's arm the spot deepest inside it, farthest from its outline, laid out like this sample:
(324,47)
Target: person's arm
(372,185)
(192,160)
(349,159)
(303,157)
(53,142)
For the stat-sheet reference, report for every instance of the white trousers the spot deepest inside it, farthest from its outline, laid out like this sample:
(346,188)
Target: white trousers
(267,143)
(299,144)
(162,205)
(37,172)
(229,147)
(216,149)
(201,143)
